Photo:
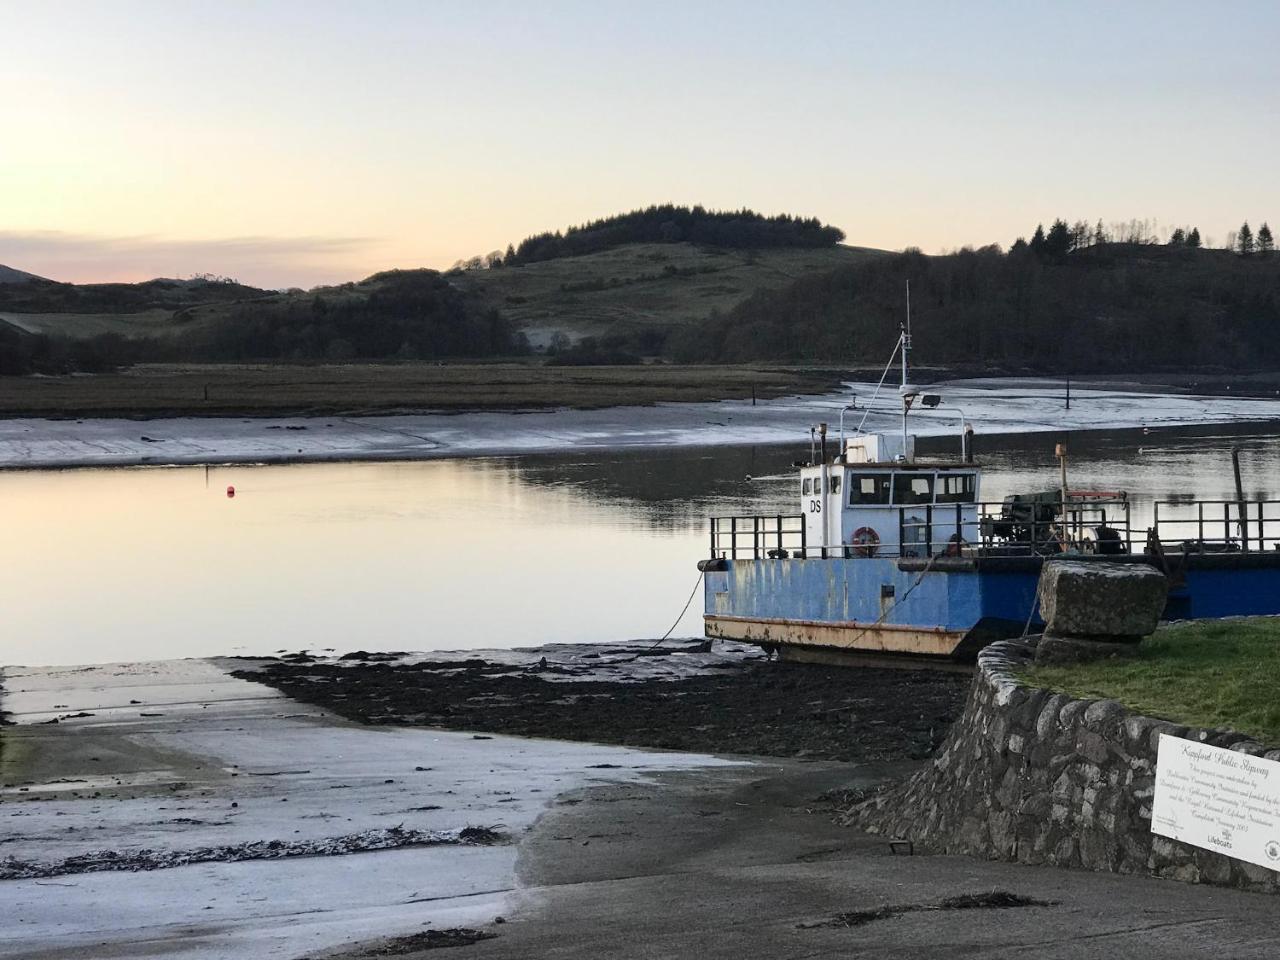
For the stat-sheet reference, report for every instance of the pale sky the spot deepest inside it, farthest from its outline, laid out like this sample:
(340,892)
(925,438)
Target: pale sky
(295,143)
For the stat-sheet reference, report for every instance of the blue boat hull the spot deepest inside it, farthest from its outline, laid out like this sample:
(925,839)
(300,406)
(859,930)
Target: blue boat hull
(946,607)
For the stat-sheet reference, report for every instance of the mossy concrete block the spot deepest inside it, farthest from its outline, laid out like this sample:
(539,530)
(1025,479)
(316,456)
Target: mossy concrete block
(1091,600)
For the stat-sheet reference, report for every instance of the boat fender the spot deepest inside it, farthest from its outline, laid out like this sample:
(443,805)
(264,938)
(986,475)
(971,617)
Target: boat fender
(713,566)
(865,541)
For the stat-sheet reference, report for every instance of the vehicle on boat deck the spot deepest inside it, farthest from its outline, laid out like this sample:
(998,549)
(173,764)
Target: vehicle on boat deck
(891,554)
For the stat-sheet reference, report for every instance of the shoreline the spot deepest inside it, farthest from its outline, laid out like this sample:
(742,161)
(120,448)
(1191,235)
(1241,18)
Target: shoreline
(996,406)
(600,850)
(220,818)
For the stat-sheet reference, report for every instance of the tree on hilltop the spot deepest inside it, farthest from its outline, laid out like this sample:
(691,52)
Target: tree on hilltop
(1244,240)
(1057,243)
(1193,238)
(1265,241)
(733,229)
(1038,240)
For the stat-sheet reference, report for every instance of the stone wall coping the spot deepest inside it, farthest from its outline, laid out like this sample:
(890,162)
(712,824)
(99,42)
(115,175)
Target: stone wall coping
(998,661)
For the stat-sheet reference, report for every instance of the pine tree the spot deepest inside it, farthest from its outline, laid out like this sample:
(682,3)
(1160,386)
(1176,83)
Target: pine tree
(1193,238)
(1265,242)
(1099,235)
(1058,242)
(1178,238)
(1245,239)
(1038,241)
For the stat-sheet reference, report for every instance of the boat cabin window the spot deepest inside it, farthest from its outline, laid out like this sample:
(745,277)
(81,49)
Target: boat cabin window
(913,488)
(868,488)
(955,488)
(813,486)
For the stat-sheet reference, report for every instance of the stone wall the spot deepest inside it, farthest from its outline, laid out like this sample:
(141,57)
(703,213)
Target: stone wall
(1038,777)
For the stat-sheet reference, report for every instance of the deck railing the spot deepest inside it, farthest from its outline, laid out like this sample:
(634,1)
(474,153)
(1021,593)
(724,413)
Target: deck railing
(758,537)
(1216,526)
(997,529)
(924,530)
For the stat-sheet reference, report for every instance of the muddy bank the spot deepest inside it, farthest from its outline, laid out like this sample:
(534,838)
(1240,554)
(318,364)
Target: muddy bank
(751,707)
(995,405)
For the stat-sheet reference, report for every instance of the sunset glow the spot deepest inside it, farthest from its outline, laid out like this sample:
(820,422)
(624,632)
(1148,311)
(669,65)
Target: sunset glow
(302,143)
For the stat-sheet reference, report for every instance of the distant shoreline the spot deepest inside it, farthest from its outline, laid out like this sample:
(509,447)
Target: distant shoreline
(153,391)
(994,406)
(212,391)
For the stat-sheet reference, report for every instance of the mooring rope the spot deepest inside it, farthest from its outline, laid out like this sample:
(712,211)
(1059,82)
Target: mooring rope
(671,629)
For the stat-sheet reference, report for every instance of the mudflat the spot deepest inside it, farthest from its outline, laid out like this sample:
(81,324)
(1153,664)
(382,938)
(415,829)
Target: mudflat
(213,390)
(744,707)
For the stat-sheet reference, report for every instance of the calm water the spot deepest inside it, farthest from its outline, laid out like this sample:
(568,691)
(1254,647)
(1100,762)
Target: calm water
(103,565)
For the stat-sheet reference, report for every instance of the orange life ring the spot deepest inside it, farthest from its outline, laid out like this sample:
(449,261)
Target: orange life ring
(865,541)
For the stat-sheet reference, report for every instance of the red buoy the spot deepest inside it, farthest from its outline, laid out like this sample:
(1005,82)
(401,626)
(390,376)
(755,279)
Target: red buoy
(231,491)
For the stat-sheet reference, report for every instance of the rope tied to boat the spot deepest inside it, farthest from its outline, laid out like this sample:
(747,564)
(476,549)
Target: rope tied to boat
(671,629)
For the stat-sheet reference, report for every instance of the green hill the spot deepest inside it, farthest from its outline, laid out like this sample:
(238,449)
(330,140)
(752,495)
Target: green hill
(550,294)
(642,286)
(151,309)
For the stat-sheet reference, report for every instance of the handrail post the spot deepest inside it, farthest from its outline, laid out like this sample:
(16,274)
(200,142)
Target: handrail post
(733,538)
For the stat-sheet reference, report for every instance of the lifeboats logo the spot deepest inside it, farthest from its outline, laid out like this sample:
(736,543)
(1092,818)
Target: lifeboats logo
(1272,850)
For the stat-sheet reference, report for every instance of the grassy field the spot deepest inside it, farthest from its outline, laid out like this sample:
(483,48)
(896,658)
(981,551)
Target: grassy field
(1205,674)
(622,290)
(155,390)
(147,323)
(642,284)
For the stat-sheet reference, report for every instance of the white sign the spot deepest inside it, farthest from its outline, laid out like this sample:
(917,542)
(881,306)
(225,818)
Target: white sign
(1218,799)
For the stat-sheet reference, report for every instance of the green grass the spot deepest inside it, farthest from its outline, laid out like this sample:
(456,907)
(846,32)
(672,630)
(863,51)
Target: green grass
(1209,673)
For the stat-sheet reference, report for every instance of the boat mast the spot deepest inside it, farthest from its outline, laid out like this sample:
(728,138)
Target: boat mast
(904,337)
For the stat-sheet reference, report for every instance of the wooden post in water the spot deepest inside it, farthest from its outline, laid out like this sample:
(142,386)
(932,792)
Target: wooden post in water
(1240,505)
(1060,451)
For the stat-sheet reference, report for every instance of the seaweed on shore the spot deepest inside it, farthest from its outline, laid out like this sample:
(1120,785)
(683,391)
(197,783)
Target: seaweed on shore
(143,859)
(768,709)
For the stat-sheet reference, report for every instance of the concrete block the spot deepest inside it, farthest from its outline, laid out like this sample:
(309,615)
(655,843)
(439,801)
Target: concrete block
(1101,599)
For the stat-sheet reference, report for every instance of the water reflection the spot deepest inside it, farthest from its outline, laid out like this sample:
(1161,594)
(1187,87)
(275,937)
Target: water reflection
(104,565)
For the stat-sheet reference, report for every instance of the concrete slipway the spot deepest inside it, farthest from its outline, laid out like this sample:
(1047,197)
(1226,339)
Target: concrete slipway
(616,852)
(178,755)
